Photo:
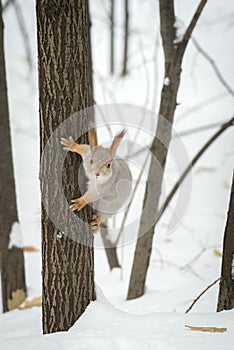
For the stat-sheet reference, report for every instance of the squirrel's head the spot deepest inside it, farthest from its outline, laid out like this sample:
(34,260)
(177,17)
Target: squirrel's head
(101,159)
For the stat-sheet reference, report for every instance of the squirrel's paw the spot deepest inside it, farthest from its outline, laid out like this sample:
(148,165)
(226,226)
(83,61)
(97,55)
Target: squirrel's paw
(95,223)
(68,143)
(78,204)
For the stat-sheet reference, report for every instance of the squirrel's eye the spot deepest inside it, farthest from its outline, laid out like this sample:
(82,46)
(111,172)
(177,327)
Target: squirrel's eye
(91,161)
(108,165)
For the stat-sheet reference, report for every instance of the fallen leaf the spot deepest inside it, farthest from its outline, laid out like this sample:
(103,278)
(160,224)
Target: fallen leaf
(207,329)
(217,253)
(31,303)
(17,297)
(30,249)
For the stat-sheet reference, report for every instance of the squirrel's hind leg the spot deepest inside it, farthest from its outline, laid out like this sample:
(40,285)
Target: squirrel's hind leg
(96,222)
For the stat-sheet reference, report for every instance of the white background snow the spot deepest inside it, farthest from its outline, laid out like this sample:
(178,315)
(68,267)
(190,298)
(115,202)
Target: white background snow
(185,260)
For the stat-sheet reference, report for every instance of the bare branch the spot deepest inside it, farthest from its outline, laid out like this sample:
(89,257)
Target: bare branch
(196,130)
(156,72)
(130,202)
(213,99)
(106,88)
(103,118)
(22,27)
(199,296)
(24,32)
(6,5)
(191,165)
(192,25)
(214,66)
(198,255)
(147,76)
(182,133)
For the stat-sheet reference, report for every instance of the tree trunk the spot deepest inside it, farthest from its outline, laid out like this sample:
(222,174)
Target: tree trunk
(11,256)
(110,248)
(126,38)
(173,54)
(112,36)
(226,288)
(65,86)
(167,109)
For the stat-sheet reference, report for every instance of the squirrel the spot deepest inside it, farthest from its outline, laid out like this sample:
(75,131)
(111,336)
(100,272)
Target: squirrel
(109,184)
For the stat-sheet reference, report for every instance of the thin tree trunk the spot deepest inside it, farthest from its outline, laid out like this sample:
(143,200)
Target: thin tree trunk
(112,36)
(110,248)
(226,288)
(194,161)
(11,256)
(65,88)
(126,39)
(173,54)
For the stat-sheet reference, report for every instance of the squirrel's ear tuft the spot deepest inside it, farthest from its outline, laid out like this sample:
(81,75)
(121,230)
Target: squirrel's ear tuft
(92,136)
(116,142)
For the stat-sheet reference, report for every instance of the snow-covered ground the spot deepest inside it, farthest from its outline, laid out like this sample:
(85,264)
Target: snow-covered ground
(186,259)
(103,326)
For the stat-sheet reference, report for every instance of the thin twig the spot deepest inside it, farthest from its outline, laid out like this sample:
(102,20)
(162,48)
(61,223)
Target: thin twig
(195,108)
(24,33)
(183,133)
(156,72)
(6,5)
(105,86)
(214,66)
(103,118)
(196,130)
(141,64)
(147,77)
(199,296)
(198,255)
(191,165)
(130,202)
(135,138)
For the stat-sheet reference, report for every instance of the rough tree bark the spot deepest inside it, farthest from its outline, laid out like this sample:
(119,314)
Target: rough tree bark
(173,53)
(226,287)
(65,86)
(11,257)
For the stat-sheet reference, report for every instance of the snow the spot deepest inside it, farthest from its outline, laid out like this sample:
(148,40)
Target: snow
(167,81)
(104,327)
(180,30)
(184,257)
(15,236)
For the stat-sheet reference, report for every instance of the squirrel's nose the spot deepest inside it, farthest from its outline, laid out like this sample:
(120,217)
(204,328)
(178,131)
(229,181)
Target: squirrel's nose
(97,174)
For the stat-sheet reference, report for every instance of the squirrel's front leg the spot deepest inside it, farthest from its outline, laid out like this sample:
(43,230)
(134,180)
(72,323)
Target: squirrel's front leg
(70,145)
(89,197)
